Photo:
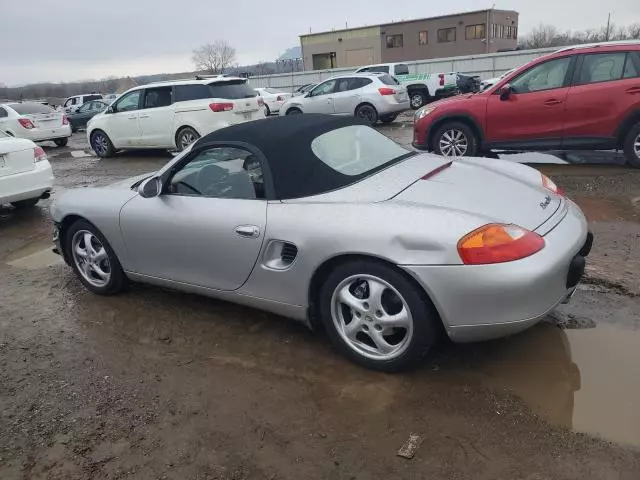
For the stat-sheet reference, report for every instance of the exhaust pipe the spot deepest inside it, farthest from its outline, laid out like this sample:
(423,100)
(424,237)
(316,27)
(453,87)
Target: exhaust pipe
(45,195)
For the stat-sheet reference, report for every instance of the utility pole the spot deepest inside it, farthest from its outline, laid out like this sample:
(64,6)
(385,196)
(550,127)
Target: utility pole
(606,39)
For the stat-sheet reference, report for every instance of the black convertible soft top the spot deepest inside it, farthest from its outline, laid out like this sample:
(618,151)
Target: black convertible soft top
(285,142)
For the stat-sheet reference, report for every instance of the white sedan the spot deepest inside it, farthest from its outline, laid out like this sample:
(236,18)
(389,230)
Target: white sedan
(25,172)
(273,99)
(34,121)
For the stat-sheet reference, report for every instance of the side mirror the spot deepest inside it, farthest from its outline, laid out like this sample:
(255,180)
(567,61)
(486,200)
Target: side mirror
(505,92)
(308,94)
(151,187)
(109,110)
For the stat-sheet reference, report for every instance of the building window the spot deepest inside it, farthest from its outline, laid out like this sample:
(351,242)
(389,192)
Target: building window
(514,31)
(474,32)
(423,38)
(447,35)
(394,41)
(494,30)
(500,31)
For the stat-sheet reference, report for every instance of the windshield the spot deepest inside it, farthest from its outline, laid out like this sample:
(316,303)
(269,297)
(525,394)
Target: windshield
(356,150)
(30,108)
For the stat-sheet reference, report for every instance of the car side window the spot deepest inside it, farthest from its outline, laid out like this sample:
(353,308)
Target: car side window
(3,113)
(86,107)
(632,67)
(99,106)
(157,97)
(544,76)
(128,102)
(220,172)
(324,88)
(601,67)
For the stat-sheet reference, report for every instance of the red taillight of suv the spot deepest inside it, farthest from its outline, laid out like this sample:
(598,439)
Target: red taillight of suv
(26,123)
(65,120)
(221,107)
(441,76)
(39,155)
(386,91)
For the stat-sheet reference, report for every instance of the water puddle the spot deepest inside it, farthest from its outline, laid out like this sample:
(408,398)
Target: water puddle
(80,154)
(37,260)
(585,378)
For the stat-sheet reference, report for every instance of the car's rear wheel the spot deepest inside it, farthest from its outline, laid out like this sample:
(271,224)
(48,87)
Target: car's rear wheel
(267,111)
(377,317)
(294,111)
(632,146)
(367,113)
(93,260)
(185,137)
(102,145)
(418,98)
(61,142)
(389,118)
(28,203)
(455,140)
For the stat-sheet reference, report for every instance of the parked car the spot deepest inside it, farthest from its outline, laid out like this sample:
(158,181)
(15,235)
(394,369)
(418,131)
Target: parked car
(110,98)
(86,112)
(273,99)
(25,172)
(71,104)
(584,97)
(468,83)
(421,87)
(490,82)
(35,122)
(370,96)
(304,89)
(326,220)
(172,115)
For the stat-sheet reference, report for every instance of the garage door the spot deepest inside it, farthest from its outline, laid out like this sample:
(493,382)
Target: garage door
(362,56)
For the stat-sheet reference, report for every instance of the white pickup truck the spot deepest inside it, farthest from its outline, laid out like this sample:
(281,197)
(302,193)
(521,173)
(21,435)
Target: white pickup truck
(421,87)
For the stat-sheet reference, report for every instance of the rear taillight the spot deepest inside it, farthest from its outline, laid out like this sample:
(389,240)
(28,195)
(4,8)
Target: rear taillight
(386,91)
(221,107)
(497,243)
(550,185)
(441,76)
(435,171)
(280,98)
(39,155)
(261,102)
(65,120)
(26,123)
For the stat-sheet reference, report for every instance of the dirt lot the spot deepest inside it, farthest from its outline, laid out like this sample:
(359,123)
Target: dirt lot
(157,384)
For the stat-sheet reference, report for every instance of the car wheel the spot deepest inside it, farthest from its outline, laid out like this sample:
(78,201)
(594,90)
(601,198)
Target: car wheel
(28,203)
(61,142)
(73,129)
(377,317)
(102,145)
(267,112)
(455,140)
(185,137)
(93,260)
(367,113)
(388,118)
(417,99)
(294,111)
(632,146)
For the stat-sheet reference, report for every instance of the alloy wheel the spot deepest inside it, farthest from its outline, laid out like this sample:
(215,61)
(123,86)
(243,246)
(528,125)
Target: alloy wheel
(636,146)
(416,100)
(371,317)
(91,258)
(367,114)
(453,143)
(100,144)
(187,138)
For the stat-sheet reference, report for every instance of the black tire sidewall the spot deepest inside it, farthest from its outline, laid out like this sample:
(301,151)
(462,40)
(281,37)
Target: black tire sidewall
(422,96)
(61,142)
(110,149)
(118,280)
(181,132)
(369,107)
(267,110)
(294,111)
(23,204)
(472,140)
(629,153)
(388,118)
(425,317)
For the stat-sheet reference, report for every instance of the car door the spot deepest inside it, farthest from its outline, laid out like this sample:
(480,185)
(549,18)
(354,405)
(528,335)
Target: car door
(320,99)
(156,118)
(207,227)
(606,88)
(122,124)
(347,95)
(532,116)
(80,118)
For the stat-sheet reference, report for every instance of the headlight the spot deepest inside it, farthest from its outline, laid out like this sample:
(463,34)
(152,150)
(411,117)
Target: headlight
(423,112)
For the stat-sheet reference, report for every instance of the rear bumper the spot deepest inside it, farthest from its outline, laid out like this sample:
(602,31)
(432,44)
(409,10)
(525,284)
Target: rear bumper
(481,302)
(387,107)
(42,134)
(27,185)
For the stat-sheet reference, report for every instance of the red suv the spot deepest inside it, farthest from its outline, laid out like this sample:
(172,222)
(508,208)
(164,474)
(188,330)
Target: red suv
(585,97)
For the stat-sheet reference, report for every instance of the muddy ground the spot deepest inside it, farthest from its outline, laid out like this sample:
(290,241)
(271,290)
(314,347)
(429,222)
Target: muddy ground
(157,384)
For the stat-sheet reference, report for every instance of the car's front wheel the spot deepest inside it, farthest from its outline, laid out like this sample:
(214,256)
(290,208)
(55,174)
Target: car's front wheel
(102,145)
(377,317)
(93,259)
(632,146)
(294,111)
(455,140)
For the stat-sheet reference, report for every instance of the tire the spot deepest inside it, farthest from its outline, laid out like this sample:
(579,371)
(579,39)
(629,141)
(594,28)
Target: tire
(267,112)
(463,143)
(24,204)
(418,98)
(74,129)
(185,137)
(294,111)
(61,142)
(632,146)
(102,145)
(407,345)
(100,255)
(388,118)
(368,113)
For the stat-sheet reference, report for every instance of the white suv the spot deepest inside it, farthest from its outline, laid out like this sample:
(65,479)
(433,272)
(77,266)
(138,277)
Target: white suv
(172,115)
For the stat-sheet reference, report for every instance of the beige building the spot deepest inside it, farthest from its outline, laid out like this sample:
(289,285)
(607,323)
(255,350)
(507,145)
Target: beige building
(436,37)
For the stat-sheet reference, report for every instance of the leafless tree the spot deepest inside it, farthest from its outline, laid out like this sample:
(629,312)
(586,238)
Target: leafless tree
(633,31)
(214,57)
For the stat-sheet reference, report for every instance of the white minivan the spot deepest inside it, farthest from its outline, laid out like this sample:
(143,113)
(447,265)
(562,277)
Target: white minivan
(72,104)
(172,115)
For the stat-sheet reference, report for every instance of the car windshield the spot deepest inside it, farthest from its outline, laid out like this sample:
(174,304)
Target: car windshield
(231,90)
(31,108)
(357,150)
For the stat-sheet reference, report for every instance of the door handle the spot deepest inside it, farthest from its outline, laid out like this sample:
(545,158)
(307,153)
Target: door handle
(551,102)
(633,90)
(248,231)
(132,118)
(143,116)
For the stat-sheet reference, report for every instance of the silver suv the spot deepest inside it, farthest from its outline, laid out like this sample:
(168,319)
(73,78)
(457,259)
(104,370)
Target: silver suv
(370,96)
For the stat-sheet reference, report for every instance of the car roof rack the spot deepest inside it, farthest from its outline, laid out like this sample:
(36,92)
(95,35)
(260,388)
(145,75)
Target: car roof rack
(207,77)
(599,44)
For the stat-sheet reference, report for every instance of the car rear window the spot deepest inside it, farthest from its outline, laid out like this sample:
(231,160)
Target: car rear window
(231,90)
(388,80)
(402,69)
(31,108)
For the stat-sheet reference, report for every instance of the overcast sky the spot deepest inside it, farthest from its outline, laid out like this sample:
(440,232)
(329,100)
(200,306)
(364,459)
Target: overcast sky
(64,40)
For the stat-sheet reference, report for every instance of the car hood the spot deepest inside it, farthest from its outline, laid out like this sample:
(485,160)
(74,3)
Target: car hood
(127,183)
(15,144)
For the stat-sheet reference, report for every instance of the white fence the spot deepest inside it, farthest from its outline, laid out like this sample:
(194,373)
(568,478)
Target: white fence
(486,65)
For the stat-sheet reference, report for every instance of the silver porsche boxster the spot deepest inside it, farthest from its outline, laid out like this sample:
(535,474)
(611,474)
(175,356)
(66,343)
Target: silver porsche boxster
(327,221)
